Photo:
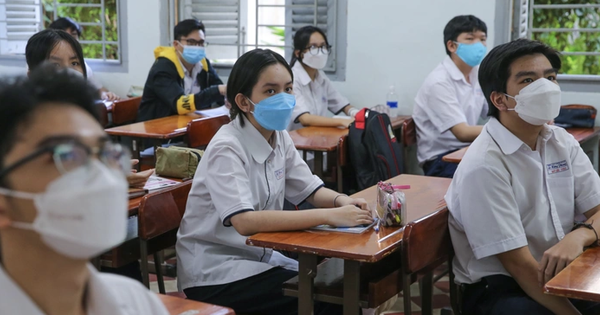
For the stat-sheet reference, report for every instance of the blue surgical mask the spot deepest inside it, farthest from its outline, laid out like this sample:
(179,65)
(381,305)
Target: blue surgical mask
(275,112)
(193,54)
(471,54)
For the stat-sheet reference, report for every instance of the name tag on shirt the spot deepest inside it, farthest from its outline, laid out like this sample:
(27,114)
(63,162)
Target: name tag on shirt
(279,173)
(557,167)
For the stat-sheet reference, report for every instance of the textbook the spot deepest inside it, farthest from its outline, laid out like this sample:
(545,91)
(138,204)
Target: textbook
(214,112)
(354,230)
(156,182)
(136,192)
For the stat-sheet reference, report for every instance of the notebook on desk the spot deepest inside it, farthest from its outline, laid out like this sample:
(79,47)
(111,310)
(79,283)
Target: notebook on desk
(214,112)
(137,192)
(354,230)
(156,182)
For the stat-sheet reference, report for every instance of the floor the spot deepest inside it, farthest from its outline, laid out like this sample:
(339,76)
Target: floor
(441,298)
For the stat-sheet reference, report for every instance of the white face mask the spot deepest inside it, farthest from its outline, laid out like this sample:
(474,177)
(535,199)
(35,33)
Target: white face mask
(317,61)
(81,214)
(538,103)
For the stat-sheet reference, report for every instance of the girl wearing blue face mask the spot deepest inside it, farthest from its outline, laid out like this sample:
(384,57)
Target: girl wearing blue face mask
(247,170)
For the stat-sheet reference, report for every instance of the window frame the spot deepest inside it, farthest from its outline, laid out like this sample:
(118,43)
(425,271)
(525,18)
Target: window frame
(98,65)
(340,44)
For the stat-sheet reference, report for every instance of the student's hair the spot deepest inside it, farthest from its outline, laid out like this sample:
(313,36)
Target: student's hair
(20,98)
(494,70)
(302,39)
(245,73)
(40,45)
(462,24)
(65,23)
(185,27)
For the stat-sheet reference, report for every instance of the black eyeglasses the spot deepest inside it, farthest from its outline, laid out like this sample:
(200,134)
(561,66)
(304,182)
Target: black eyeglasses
(193,42)
(72,155)
(314,50)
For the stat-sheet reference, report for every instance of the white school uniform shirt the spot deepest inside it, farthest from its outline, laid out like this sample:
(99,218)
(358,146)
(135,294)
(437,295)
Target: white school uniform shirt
(505,196)
(240,171)
(91,78)
(314,97)
(445,100)
(190,83)
(107,294)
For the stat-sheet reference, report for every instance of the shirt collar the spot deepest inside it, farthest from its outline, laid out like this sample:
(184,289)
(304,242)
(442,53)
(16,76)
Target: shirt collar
(507,141)
(455,73)
(185,70)
(254,141)
(302,76)
(99,296)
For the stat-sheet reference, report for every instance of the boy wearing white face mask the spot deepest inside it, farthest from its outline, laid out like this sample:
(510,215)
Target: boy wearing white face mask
(182,79)
(450,103)
(63,200)
(315,95)
(514,195)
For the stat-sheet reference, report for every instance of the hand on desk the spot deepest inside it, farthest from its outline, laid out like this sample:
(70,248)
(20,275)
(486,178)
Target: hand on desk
(345,123)
(350,215)
(109,96)
(557,257)
(138,179)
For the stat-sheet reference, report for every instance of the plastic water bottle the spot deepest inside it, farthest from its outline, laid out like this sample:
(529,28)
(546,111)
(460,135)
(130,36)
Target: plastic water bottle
(392,102)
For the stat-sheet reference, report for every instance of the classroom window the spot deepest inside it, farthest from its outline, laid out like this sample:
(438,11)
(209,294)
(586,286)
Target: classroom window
(99,20)
(570,26)
(100,40)
(234,27)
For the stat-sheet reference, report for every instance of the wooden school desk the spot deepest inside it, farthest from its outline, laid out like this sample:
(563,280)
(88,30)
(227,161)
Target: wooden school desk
(426,196)
(179,306)
(589,139)
(580,279)
(329,139)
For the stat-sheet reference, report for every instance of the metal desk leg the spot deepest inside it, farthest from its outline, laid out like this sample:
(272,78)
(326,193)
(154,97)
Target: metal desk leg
(307,271)
(318,164)
(426,291)
(351,287)
(596,155)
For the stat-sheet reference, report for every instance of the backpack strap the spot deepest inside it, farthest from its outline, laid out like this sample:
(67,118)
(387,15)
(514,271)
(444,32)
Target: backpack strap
(359,119)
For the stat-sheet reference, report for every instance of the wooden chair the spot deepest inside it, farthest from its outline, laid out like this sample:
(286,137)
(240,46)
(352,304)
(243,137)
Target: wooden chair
(425,246)
(201,131)
(125,111)
(159,217)
(102,113)
(409,138)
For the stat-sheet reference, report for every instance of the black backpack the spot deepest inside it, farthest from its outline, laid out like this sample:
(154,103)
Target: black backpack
(375,153)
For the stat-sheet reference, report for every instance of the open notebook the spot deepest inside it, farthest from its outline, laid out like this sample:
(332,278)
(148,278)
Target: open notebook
(155,182)
(355,229)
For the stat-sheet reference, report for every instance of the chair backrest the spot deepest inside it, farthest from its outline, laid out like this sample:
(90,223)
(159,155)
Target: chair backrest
(102,113)
(426,243)
(201,131)
(409,132)
(161,212)
(125,111)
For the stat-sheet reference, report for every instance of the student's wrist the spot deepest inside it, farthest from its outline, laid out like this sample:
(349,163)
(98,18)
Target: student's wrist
(583,236)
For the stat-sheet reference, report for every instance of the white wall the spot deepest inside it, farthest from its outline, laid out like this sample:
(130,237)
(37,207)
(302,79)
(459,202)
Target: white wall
(392,42)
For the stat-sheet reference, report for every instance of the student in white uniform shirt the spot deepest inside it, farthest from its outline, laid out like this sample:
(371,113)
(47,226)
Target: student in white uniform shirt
(315,95)
(247,170)
(63,200)
(519,187)
(450,102)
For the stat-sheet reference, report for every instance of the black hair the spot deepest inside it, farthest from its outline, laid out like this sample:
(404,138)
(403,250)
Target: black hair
(245,73)
(302,39)
(185,27)
(40,45)
(64,23)
(494,70)
(462,24)
(20,98)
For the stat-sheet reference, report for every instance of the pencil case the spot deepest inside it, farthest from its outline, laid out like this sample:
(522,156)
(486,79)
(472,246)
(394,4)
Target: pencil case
(391,204)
